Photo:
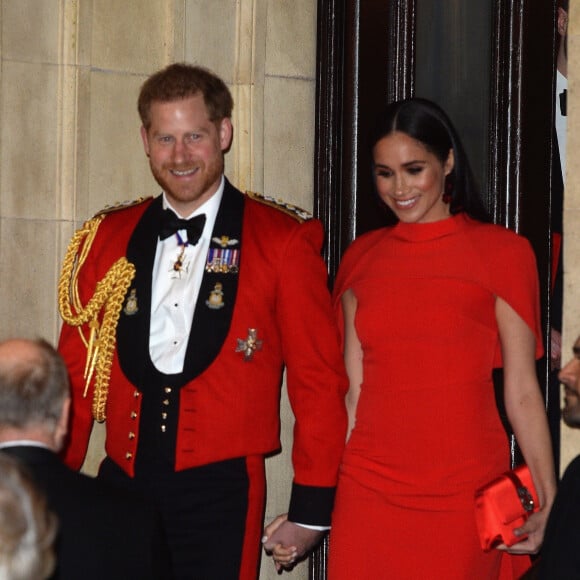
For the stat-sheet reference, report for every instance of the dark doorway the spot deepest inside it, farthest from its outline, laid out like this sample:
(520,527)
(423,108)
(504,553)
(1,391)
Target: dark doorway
(453,68)
(490,64)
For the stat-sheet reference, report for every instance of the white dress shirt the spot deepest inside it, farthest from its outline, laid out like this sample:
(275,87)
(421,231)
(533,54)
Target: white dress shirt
(174,294)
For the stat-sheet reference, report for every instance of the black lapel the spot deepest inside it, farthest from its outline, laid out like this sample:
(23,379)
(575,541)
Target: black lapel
(212,318)
(133,326)
(215,304)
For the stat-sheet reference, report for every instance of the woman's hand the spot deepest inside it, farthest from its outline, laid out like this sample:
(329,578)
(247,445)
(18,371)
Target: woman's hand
(534,528)
(283,557)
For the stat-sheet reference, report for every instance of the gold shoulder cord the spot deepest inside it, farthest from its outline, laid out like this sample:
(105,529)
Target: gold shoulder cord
(108,299)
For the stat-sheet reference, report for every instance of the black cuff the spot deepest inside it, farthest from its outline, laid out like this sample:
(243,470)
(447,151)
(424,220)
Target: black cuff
(311,505)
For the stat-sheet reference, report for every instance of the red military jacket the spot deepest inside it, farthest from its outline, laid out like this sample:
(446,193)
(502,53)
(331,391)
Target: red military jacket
(226,404)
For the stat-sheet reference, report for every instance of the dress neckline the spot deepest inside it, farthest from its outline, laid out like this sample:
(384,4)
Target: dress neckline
(422,232)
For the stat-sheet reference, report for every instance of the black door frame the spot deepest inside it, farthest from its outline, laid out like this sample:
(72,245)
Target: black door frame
(366,57)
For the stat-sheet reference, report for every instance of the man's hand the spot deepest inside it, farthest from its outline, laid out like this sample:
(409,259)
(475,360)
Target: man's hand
(288,542)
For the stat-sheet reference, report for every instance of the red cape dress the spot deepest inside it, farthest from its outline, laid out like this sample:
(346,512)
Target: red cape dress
(427,430)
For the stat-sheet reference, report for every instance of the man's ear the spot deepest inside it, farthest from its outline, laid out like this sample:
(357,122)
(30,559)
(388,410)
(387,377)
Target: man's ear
(449,162)
(562,21)
(145,139)
(226,133)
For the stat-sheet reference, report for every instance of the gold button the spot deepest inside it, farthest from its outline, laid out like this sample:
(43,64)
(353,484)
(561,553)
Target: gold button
(163,428)
(136,394)
(167,390)
(128,455)
(133,415)
(166,402)
(164,415)
(131,435)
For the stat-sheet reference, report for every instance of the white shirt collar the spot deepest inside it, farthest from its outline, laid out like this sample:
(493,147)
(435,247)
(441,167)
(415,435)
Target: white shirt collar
(23,443)
(209,208)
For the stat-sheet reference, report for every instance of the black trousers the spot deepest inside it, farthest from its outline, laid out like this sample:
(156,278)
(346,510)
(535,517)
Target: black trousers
(213,515)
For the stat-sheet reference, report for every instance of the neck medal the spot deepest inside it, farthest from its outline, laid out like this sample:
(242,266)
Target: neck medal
(179,265)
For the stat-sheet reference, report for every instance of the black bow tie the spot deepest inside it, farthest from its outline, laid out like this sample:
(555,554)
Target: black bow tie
(563,100)
(170,224)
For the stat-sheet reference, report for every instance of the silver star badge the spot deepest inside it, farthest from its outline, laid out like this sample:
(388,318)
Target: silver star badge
(250,345)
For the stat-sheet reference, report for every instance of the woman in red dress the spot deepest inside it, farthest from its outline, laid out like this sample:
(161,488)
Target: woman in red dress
(428,307)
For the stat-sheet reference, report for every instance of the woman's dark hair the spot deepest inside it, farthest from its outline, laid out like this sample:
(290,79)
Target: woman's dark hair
(426,122)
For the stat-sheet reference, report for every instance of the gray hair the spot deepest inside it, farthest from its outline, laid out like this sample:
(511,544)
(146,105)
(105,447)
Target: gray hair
(33,389)
(27,527)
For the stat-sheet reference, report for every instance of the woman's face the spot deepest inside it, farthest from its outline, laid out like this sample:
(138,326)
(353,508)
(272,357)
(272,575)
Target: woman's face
(410,179)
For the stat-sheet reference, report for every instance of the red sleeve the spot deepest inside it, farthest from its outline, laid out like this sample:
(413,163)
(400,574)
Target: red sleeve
(316,379)
(346,276)
(515,280)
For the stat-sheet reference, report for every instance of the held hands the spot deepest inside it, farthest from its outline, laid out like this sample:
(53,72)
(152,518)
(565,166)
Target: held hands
(288,542)
(534,528)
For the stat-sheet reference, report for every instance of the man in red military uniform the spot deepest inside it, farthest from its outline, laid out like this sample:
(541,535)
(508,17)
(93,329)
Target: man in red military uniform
(180,314)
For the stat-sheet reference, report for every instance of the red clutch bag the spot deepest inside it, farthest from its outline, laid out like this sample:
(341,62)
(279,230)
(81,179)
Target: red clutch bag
(504,504)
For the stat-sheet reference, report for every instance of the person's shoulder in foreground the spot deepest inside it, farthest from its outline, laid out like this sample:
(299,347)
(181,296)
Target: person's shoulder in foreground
(117,533)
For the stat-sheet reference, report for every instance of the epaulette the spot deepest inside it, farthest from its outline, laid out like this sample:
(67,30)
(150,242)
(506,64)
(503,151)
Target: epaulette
(121,205)
(289,209)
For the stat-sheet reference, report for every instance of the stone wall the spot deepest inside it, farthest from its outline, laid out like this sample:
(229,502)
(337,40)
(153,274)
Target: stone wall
(69,131)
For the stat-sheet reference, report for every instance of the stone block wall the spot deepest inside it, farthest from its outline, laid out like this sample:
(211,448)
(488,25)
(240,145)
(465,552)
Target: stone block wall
(70,71)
